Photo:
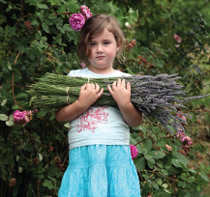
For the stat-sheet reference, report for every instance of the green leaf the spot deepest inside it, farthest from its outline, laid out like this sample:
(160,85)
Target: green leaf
(176,163)
(20,169)
(10,122)
(40,157)
(151,162)
(204,177)
(67,125)
(155,185)
(48,184)
(73,6)
(165,172)
(45,27)
(148,145)
(159,181)
(22,96)
(9,66)
(41,114)
(3,103)
(191,179)
(41,6)
(140,163)
(182,159)
(184,176)
(157,154)
(61,9)
(165,185)
(3,117)
(40,16)
(67,28)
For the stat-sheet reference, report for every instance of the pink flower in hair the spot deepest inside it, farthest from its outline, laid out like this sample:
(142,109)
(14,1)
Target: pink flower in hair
(134,151)
(77,21)
(85,11)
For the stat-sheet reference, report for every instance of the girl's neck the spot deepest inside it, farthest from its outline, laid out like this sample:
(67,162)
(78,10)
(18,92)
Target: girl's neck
(101,71)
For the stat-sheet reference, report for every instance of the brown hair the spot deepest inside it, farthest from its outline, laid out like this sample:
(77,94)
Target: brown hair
(93,27)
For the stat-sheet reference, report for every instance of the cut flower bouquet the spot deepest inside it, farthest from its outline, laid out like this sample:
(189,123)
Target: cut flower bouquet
(157,97)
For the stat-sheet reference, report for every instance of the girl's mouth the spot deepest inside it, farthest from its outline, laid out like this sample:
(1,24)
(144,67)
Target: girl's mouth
(100,57)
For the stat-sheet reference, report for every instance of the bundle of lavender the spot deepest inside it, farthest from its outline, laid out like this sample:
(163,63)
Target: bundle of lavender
(155,96)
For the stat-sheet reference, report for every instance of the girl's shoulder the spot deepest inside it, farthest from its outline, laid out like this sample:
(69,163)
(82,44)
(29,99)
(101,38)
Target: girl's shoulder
(119,73)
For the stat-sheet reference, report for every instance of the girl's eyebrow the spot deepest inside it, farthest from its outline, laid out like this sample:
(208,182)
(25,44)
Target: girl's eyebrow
(92,40)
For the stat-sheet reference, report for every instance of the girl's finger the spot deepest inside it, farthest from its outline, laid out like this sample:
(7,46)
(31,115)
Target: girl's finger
(92,85)
(109,89)
(114,85)
(83,87)
(101,92)
(88,85)
(123,83)
(97,87)
(118,82)
(128,86)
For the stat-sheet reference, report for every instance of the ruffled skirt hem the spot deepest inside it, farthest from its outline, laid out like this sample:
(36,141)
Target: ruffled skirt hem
(100,171)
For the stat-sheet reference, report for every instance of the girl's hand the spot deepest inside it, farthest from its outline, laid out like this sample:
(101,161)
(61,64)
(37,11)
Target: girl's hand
(89,94)
(121,92)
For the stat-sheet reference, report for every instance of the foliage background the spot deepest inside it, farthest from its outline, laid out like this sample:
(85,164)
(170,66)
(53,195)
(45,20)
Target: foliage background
(35,38)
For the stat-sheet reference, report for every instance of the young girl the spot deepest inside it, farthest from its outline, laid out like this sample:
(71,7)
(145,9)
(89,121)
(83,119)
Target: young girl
(100,163)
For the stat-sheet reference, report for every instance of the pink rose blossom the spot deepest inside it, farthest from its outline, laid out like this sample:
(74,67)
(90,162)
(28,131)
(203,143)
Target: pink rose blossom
(134,151)
(82,65)
(177,38)
(85,11)
(23,117)
(77,21)
(169,148)
(189,140)
(184,138)
(19,116)
(183,118)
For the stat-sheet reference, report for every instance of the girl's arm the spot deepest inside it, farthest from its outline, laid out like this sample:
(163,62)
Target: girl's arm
(89,94)
(121,93)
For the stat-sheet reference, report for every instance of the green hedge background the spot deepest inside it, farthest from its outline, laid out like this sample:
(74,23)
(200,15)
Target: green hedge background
(35,38)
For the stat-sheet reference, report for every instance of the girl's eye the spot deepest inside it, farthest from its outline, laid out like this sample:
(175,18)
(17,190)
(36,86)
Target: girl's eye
(106,42)
(92,44)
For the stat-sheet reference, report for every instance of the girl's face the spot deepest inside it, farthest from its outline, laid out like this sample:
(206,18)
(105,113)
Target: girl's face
(103,52)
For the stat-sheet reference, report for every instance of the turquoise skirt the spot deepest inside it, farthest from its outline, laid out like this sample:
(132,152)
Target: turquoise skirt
(100,171)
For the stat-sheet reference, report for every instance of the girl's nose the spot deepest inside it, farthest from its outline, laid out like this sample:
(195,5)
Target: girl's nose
(99,48)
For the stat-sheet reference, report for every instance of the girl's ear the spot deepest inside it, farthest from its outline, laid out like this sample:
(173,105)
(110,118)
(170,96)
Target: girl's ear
(118,47)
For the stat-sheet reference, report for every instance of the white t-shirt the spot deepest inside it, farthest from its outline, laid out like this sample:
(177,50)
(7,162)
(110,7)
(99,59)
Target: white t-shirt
(98,125)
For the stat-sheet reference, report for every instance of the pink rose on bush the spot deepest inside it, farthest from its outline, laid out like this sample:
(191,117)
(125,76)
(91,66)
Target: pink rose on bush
(23,117)
(77,21)
(177,38)
(134,151)
(82,65)
(184,138)
(182,117)
(85,11)
(19,116)
(169,148)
